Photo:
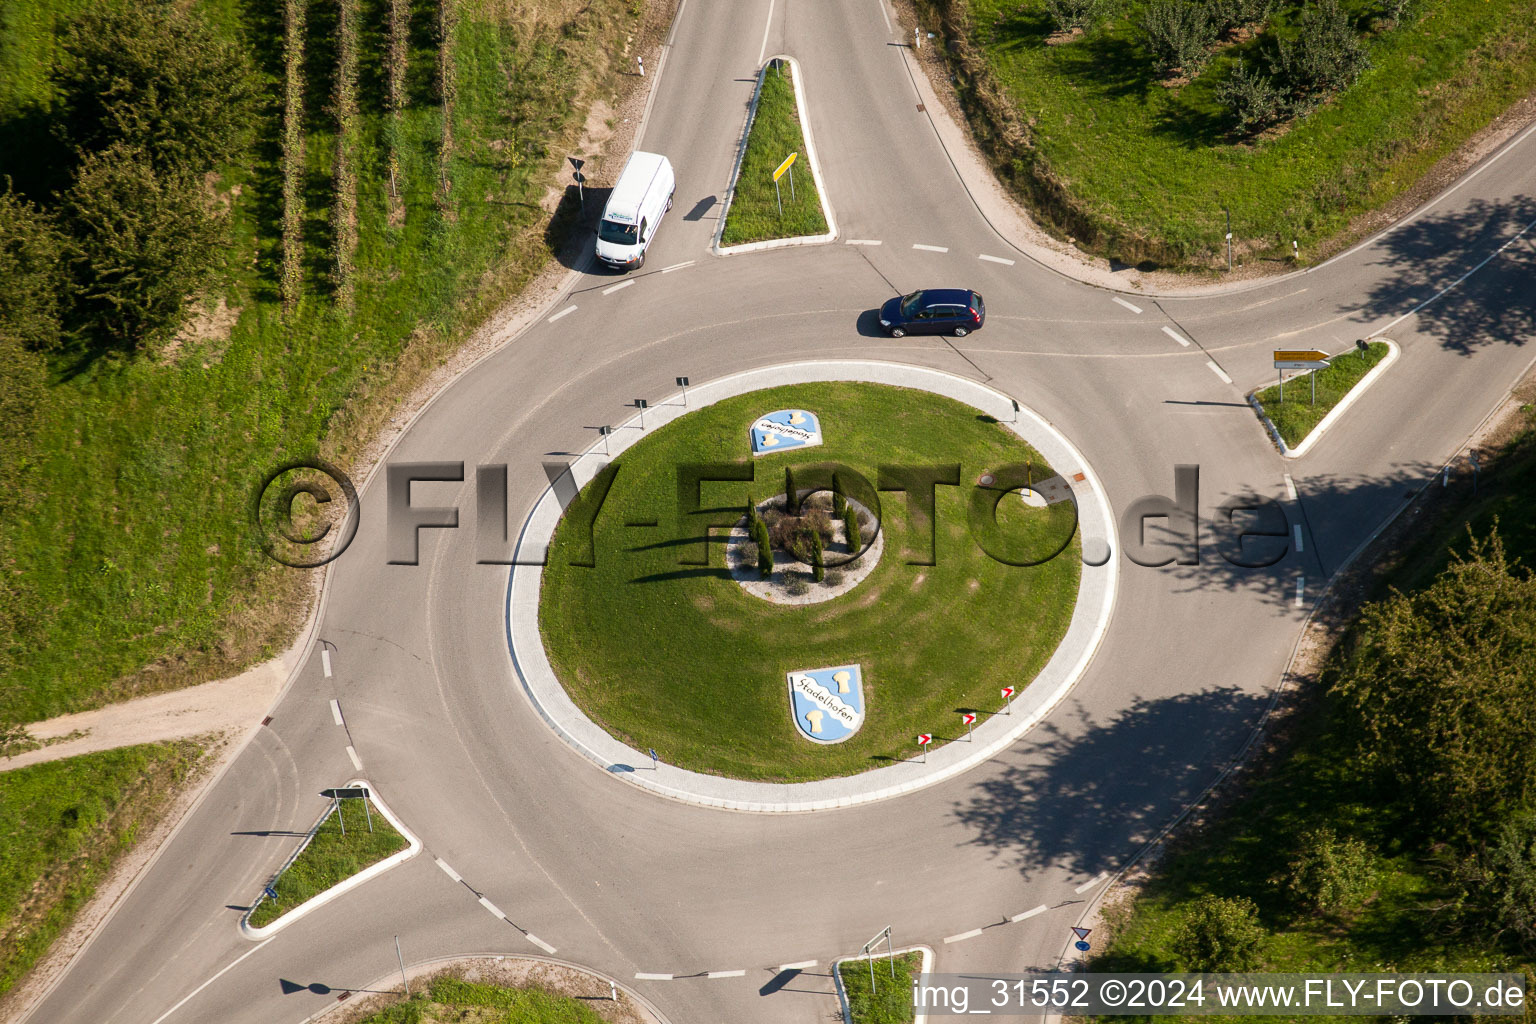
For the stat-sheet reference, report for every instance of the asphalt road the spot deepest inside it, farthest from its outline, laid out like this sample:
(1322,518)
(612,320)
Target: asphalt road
(627,883)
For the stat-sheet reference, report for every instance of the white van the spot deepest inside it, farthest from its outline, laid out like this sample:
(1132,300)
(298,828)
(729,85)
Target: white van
(642,195)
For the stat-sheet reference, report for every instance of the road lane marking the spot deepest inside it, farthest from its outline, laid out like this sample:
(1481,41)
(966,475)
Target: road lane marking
(1218,371)
(1299,548)
(356,761)
(994,259)
(1290,486)
(205,984)
(642,976)
(1095,880)
(618,287)
(884,15)
(803,964)
(1301,588)
(1176,336)
(726,974)
(864,241)
(764,48)
(493,908)
(964,935)
(930,248)
(1016,918)
(448,870)
(336,711)
(1127,305)
(564,312)
(546,947)
(325,661)
(678,266)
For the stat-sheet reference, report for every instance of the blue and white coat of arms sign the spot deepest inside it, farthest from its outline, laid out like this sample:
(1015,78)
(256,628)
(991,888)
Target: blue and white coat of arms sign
(827,703)
(784,430)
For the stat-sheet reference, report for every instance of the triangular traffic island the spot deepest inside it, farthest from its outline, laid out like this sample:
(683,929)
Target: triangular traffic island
(357,838)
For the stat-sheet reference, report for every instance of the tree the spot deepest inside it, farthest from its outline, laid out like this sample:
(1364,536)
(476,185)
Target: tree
(1178,35)
(1441,691)
(1252,97)
(1329,873)
(764,546)
(1326,55)
(851,526)
(818,570)
(1071,14)
(32,267)
(154,77)
(142,243)
(1221,934)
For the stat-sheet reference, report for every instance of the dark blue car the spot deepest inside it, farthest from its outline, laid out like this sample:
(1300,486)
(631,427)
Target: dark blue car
(957,311)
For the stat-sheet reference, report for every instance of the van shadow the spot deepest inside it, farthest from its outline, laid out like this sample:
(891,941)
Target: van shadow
(571,233)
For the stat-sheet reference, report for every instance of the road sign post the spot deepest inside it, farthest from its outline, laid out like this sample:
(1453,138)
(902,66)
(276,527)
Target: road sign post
(605,430)
(1300,359)
(270,893)
(641,404)
(968,718)
(1008,692)
(890,950)
(403,979)
(682,382)
(778,173)
(654,758)
(923,739)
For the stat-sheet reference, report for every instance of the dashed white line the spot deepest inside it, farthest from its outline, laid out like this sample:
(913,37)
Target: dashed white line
(864,241)
(1127,305)
(1218,371)
(567,311)
(493,908)
(448,870)
(801,966)
(1301,589)
(678,266)
(1299,548)
(205,984)
(764,48)
(546,947)
(618,287)
(994,259)
(642,976)
(325,661)
(964,935)
(1095,880)
(726,974)
(336,711)
(930,248)
(884,15)
(356,761)
(1290,486)
(1016,918)
(1176,336)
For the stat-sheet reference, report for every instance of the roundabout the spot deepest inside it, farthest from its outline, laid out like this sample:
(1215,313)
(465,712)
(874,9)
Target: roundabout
(631,638)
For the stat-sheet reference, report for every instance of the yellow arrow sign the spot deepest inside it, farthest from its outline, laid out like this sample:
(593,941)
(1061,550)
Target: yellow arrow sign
(1299,355)
(784,166)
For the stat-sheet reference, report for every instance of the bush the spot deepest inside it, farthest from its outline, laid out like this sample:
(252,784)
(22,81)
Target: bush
(1178,34)
(1220,934)
(142,243)
(818,570)
(1252,97)
(32,267)
(834,578)
(1230,14)
(1070,14)
(1326,55)
(1500,894)
(155,78)
(797,586)
(1328,873)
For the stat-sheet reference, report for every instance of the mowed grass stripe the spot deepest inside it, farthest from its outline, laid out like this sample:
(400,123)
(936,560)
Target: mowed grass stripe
(681,659)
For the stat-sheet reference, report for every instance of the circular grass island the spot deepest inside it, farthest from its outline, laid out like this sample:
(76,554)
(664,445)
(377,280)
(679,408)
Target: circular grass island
(666,653)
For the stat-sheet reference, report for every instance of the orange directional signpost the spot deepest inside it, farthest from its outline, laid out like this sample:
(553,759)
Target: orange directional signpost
(788,163)
(1299,359)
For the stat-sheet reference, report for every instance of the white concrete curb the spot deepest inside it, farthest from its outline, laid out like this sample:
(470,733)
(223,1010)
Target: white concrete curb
(837,975)
(1090,617)
(413,847)
(810,156)
(1333,414)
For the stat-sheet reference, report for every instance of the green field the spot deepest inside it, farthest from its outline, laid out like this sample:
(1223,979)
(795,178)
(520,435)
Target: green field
(63,824)
(452,1001)
(1407,916)
(1141,172)
(134,567)
(1293,412)
(682,659)
(775,133)
(331,857)
(890,1000)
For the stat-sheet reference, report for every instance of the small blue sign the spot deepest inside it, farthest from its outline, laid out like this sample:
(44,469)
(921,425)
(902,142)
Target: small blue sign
(784,431)
(827,703)
(1082,946)
(270,893)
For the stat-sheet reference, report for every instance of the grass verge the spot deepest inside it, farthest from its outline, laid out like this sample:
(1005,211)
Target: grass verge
(890,1001)
(453,1000)
(1289,406)
(1086,134)
(1310,779)
(331,857)
(63,825)
(775,134)
(681,658)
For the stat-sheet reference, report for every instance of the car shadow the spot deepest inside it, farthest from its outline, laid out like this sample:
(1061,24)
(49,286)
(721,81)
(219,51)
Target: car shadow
(868,324)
